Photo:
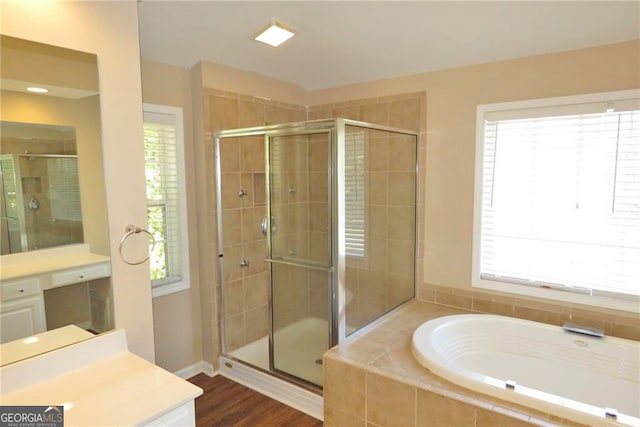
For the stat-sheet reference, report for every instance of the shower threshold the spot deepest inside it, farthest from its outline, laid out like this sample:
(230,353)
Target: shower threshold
(290,394)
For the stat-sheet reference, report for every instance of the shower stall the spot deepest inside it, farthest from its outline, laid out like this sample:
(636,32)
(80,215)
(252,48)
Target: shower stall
(316,239)
(39,201)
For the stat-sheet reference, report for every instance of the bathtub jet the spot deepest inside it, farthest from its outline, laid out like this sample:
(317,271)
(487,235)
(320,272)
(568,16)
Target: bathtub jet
(582,378)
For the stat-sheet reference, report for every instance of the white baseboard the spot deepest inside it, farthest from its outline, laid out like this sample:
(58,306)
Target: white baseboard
(200,367)
(291,395)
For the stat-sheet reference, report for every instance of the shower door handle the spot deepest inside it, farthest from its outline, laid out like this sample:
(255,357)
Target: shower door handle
(264,225)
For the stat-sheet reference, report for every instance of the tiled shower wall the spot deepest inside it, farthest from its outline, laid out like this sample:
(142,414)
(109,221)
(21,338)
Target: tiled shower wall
(379,281)
(245,310)
(242,165)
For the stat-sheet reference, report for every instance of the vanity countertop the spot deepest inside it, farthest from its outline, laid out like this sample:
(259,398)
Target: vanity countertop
(48,261)
(21,349)
(99,382)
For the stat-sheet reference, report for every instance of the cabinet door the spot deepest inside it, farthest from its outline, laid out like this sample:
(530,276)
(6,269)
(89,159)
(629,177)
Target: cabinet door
(21,318)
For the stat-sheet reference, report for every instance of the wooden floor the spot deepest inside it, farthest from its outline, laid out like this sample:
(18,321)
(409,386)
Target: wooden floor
(227,403)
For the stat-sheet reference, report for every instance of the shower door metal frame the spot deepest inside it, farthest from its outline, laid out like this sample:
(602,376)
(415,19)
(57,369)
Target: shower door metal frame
(288,129)
(336,189)
(323,127)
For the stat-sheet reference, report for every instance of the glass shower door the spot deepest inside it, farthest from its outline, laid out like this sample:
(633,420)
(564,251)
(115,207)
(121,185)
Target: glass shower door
(298,226)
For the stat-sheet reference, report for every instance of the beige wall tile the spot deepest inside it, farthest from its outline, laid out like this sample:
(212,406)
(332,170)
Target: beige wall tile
(377,113)
(438,411)
(401,188)
(401,223)
(231,263)
(250,113)
(252,224)
(347,388)
(233,295)
(405,114)
(319,155)
(402,153)
(376,222)
(235,331)
(257,323)
(246,184)
(389,402)
(377,151)
(231,186)
(259,189)
(319,217)
(400,256)
(223,113)
(539,315)
(229,155)
(347,112)
(336,418)
(298,187)
(256,290)
(252,154)
(231,227)
(318,187)
(255,253)
(486,418)
(276,115)
(376,187)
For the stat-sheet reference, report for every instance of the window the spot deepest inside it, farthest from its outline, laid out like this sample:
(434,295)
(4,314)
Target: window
(557,211)
(166,204)
(354,177)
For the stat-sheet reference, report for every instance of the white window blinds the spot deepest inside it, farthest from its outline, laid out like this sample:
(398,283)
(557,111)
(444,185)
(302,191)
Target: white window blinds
(164,182)
(354,175)
(560,200)
(64,189)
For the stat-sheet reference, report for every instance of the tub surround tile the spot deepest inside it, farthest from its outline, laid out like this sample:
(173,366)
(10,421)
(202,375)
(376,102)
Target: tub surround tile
(374,380)
(614,322)
(389,402)
(348,382)
(437,411)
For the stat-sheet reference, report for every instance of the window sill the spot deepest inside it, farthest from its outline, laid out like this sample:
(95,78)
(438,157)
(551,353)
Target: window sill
(169,288)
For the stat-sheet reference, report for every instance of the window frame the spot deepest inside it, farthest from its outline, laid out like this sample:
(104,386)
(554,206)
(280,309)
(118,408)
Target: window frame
(184,283)
(521,287)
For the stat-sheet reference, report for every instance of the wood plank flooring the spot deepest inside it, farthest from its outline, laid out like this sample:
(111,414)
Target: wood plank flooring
(227,403)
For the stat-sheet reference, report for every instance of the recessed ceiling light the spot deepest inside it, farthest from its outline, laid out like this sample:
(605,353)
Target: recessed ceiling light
(274,35)
(37,89)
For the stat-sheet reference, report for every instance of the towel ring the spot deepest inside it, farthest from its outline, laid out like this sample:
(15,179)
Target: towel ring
(130,230)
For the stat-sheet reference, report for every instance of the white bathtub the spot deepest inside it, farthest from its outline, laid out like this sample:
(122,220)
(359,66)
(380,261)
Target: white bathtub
(573,376)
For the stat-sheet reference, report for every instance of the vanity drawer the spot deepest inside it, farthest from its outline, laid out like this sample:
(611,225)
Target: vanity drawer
(78,275)
(20,288)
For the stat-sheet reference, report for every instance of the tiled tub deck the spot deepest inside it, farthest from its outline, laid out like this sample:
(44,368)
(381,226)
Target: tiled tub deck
(374,380)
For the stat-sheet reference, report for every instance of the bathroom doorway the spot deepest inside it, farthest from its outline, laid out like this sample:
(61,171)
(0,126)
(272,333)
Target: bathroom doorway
(316,238)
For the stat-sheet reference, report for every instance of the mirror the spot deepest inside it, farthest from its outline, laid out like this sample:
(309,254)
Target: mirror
(54,231)
(39,190)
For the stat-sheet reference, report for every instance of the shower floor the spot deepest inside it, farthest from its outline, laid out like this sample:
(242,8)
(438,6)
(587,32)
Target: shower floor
(298,350)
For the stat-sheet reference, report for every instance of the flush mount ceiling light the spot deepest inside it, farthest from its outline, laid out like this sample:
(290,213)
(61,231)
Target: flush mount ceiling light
(36,89)
(274,34)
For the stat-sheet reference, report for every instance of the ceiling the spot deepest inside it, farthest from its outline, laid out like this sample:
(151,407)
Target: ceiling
(344,42)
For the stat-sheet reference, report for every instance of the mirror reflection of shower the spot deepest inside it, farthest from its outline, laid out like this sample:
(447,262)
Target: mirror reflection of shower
(40,193)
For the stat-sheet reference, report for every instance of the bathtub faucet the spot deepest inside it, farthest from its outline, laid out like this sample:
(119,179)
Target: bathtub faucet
(584,330)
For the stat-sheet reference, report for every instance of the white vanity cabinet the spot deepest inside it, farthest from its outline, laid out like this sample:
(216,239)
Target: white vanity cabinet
(101,383)
(21,309)
(25,277)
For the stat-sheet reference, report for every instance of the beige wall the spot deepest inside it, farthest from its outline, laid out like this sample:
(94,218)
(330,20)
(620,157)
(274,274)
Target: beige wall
(110,30)
(177,322)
